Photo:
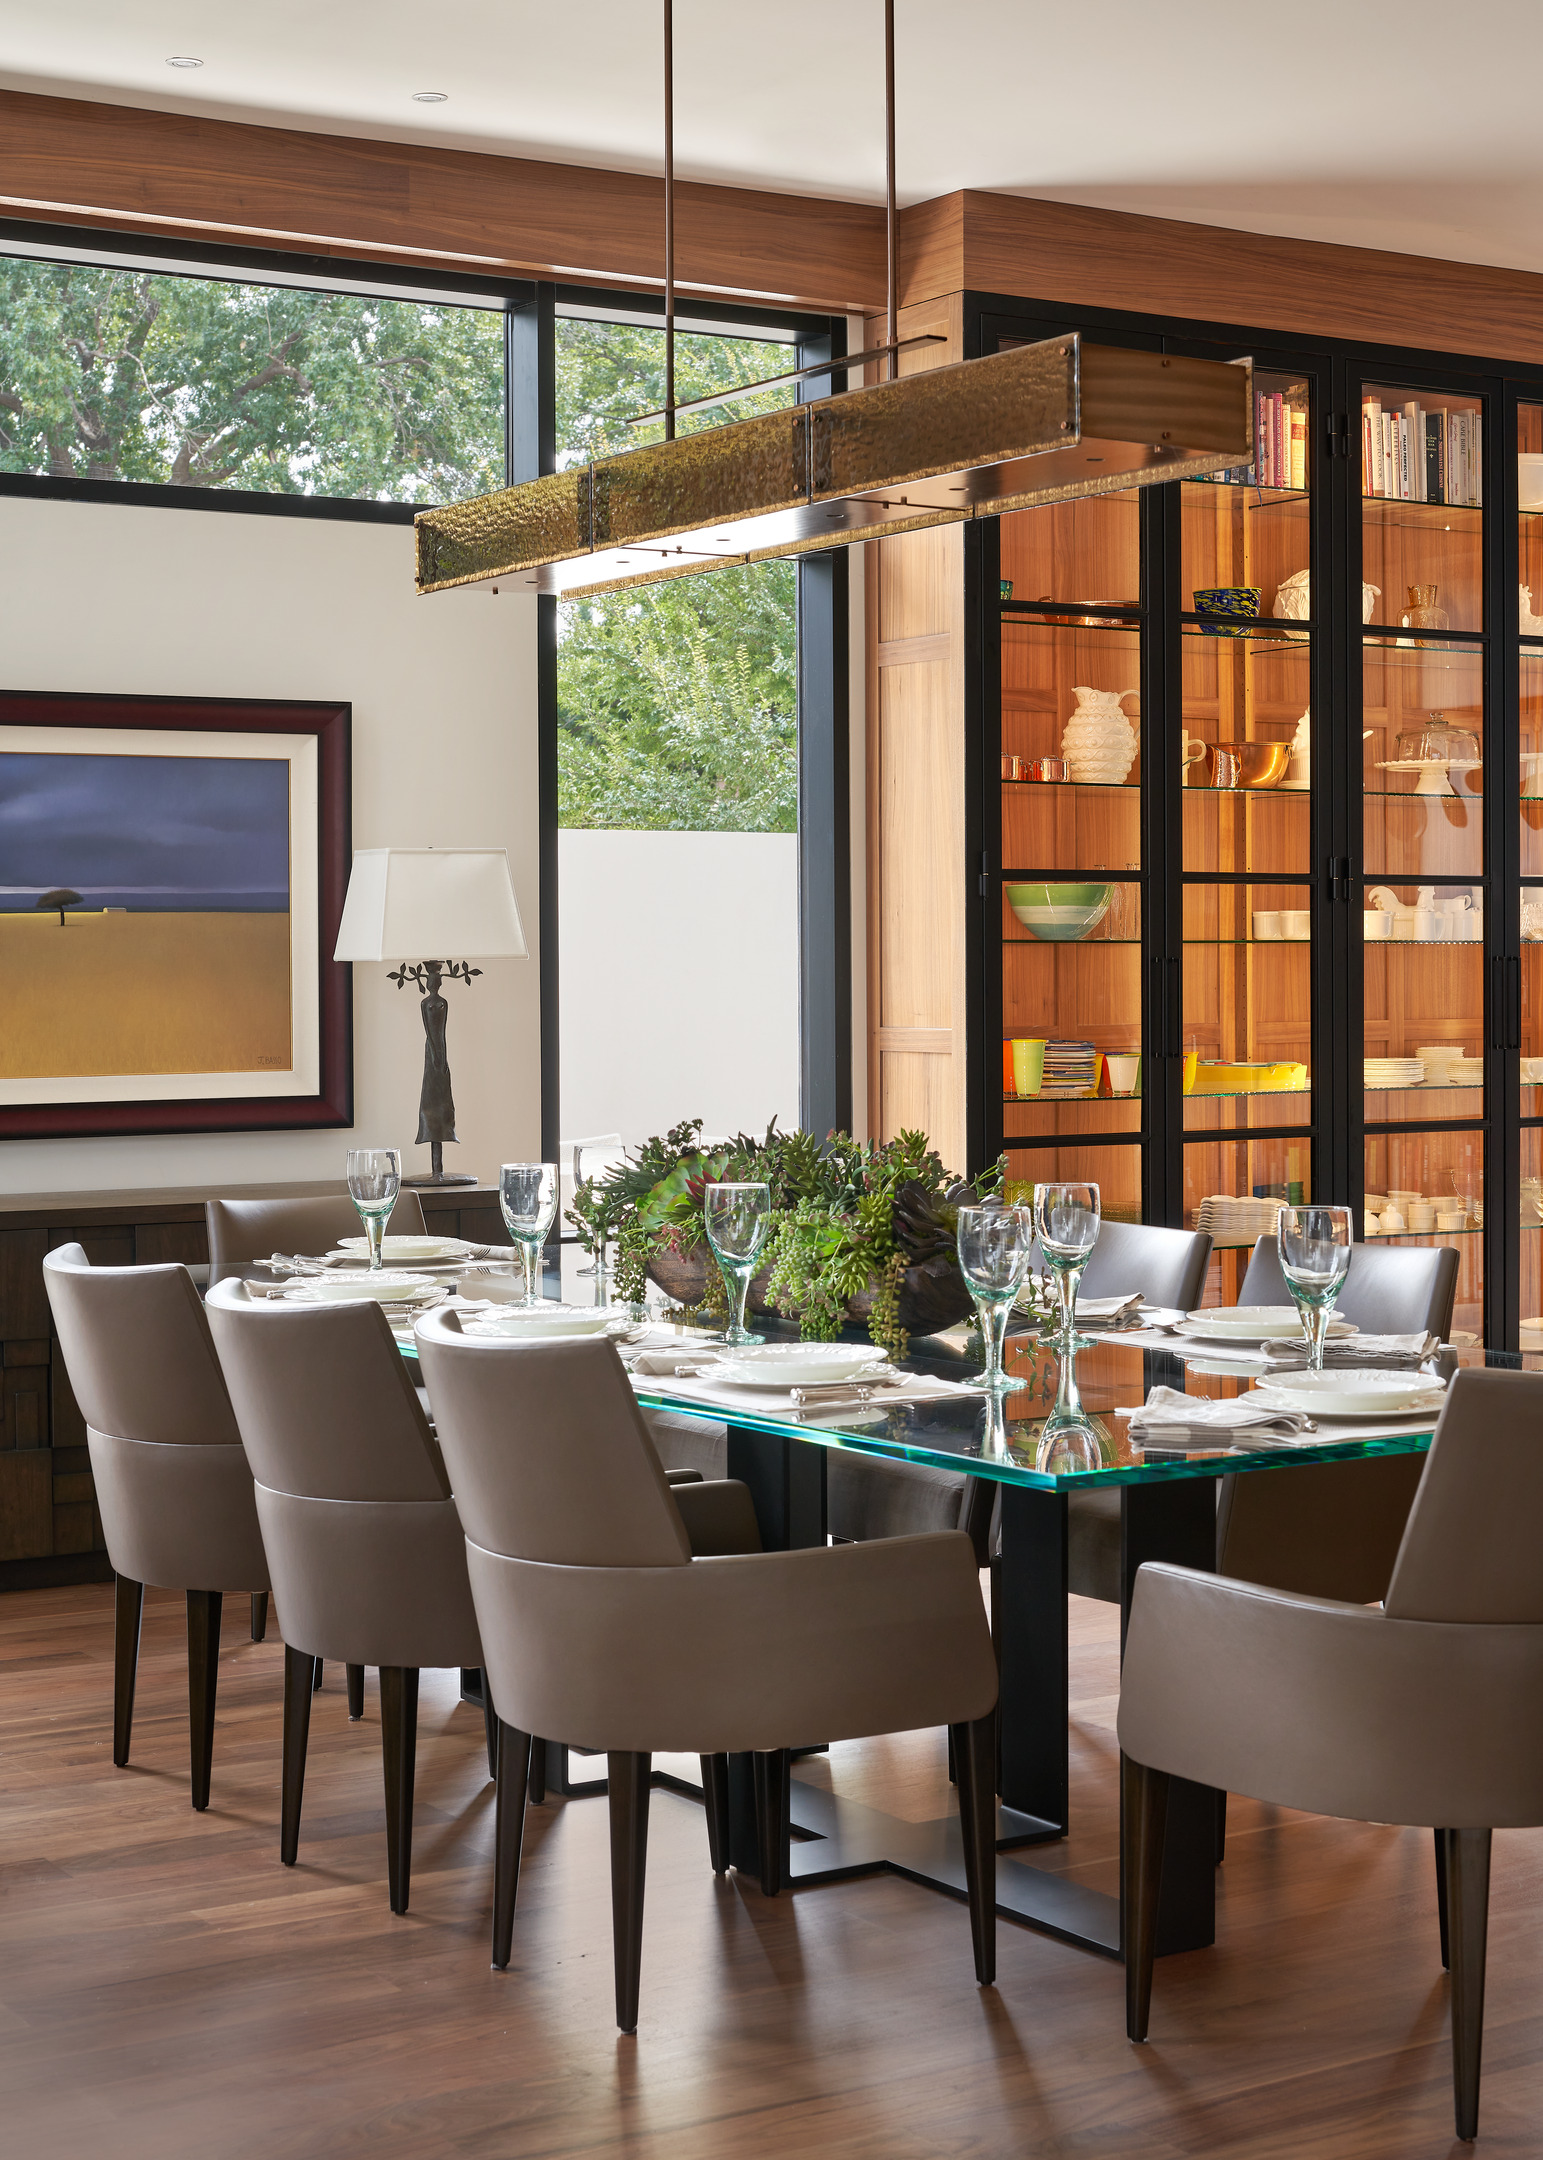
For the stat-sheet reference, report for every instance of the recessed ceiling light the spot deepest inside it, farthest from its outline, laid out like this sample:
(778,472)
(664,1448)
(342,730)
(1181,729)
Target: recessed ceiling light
(182,59)
(430,97)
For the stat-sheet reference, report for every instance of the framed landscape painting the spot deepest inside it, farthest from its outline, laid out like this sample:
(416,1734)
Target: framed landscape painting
(172,873)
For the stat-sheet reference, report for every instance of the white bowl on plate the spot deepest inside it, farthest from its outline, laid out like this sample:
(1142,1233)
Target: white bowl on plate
(405,1250)
(386,1286)
(1355,1394)
(1257,1323)
(786,1365)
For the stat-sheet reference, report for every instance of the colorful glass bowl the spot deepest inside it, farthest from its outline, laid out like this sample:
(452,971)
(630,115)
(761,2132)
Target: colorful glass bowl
(1237,603)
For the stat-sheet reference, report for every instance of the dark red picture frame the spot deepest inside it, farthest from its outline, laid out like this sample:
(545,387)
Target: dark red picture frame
(333,1104)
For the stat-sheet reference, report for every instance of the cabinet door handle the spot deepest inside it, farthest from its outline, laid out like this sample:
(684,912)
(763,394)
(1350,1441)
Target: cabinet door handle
(1496,1030)
(1513,1003)
(1175,1011)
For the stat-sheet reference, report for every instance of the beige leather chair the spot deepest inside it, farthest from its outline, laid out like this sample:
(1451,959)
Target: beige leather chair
(369,1564)
(599,1625)
(1425,1712)
(1333,1529)
(241,1230)
(172,1482)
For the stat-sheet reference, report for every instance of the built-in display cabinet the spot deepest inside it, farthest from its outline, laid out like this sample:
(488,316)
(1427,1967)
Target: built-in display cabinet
(1258,866)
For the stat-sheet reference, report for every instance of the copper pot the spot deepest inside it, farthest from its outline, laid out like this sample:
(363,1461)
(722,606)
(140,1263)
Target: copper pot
(1245,764)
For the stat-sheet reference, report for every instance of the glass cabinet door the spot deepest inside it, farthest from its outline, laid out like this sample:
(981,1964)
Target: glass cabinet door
(1530,635)
(1425,882)
(1246,754)
(1072,881)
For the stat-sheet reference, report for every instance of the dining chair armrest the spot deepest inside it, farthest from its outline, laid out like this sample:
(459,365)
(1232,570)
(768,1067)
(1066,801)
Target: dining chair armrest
(755,1650)
(718,1513)
(1332,1708)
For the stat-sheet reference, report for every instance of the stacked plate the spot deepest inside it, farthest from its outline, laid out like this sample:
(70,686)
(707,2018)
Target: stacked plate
(1232,1221)
(546,1321)
(1070,1069)
(1248,1324)
(386,1286)
(788,1365)
(1465,1072)
(408,1251)
(1391,1072)
(1356,1394)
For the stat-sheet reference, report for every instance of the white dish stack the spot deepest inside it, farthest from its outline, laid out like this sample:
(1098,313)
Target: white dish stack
(1234,1220)
(1392,1072)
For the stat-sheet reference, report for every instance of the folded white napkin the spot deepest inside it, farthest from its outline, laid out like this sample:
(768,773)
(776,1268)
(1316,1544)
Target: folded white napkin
(1378,1350)
(1168,1418)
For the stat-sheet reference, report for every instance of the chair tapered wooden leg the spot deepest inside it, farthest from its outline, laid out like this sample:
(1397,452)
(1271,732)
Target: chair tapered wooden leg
(975,1755)
(1468,1908)
(771,1779)
(355,1675)
(129,1610)
(628,1777)
(715,1799)
(259,1615)
(203,1679)
(490,1728)
(513,1773)
(399,1752)
(1146,1820)
(536,1790)
(1440,1837)
(299,1679)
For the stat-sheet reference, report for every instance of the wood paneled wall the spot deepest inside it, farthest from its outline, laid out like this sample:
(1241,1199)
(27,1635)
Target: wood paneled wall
(917,1046)
(203,180)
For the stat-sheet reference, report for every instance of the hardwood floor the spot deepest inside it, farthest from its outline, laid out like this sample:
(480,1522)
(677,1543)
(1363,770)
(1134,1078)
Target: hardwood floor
(167,1989)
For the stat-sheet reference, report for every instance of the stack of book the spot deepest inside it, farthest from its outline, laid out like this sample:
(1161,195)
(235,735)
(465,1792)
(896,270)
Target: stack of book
(1280,441)
(1071,1069)
(1415,455)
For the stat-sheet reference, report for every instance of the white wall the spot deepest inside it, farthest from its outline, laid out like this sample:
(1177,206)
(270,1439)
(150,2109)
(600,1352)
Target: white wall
(678,956)
(181,603)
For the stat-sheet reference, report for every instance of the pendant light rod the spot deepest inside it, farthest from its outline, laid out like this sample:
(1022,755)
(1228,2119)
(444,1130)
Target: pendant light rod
(891,227)
(669,220)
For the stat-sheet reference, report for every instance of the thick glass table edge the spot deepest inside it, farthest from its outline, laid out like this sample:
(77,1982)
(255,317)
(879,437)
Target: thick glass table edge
(1004,1471)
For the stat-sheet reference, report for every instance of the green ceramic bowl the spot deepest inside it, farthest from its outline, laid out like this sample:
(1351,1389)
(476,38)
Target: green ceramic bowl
(1060,914)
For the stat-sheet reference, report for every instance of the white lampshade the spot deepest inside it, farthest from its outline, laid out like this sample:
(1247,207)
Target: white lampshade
(430,904)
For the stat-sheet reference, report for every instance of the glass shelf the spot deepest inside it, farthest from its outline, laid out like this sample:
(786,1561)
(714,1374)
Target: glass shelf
(1267,498)
(1421,516)
(1096,787)
(1276,632)
(1449,944)
(1392,1237)
(1069,944)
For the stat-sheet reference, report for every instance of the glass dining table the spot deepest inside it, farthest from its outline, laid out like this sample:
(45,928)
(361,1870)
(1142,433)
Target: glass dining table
(1065,1431)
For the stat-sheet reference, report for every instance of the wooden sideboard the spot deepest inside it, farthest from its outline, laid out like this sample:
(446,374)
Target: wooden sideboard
(50,1531)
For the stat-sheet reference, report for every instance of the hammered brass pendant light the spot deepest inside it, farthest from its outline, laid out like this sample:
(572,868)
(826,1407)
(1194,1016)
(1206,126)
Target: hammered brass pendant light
(1035,424)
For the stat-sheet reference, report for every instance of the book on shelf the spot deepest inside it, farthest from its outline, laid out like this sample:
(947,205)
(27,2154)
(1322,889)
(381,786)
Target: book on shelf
(1280,441)
(1420,455)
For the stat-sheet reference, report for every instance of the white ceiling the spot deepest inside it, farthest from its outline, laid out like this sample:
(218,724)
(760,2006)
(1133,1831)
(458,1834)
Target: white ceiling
(1412,127)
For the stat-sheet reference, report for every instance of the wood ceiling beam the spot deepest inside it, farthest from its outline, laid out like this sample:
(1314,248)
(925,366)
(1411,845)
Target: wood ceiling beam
(72,161)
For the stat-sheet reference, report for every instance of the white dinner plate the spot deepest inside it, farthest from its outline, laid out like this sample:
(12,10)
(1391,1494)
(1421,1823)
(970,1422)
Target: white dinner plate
(1255,1323)
(387,1286)
(547,1322)
(408,1249)
(785,1365)
(1355,1394)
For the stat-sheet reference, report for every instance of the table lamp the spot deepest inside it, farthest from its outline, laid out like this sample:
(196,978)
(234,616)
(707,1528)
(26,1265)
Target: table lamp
(403,903)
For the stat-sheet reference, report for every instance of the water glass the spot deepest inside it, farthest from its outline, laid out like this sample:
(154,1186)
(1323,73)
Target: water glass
(527,1198)
(1315,1258)
(1069,1439)
(1067,1219)
(995,1247)
(374,1180)
(738,1220)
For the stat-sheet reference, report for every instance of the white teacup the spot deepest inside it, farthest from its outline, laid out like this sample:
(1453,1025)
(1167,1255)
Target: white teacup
(1122,1068)
(1404,925)
(1430,925)
(1377,926)
(1452,1219)
(1296,923)
(1266,927)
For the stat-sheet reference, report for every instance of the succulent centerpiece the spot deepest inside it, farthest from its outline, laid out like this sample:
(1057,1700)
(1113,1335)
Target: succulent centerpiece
(863,1231)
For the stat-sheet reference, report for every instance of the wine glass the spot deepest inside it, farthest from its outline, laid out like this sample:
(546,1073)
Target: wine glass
(1069,1439)
(1067,1219)
(995,1247)
(1315,1259)
(527,1198)
(738,1220)
(374,1180)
